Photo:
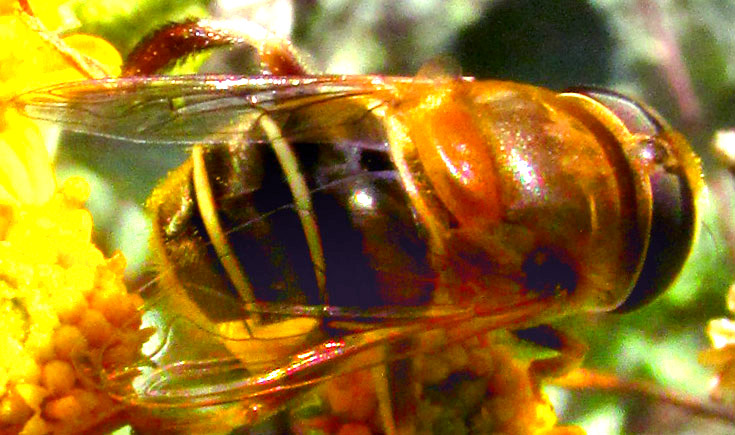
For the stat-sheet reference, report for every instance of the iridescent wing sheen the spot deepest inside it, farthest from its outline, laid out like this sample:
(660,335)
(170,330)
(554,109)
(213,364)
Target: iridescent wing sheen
(267,370)
(200,108)
(216,380)
(199,363)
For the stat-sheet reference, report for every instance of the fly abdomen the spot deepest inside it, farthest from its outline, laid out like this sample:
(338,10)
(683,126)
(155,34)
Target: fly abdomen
(373,254)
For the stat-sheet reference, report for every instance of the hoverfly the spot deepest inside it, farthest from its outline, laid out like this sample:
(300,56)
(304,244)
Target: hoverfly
(358,212)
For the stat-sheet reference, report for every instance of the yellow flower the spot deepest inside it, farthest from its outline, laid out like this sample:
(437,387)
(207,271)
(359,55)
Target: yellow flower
(31,57)
(62,304)
(721,357)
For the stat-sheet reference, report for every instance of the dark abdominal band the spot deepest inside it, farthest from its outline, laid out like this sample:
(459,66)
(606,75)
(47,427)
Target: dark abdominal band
(373,252)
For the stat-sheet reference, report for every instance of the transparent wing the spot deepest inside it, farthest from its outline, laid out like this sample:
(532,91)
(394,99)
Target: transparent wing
(265,365)
(217,380)
(198,109)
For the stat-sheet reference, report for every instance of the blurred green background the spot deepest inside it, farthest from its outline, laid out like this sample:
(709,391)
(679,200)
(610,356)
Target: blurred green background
(677,55)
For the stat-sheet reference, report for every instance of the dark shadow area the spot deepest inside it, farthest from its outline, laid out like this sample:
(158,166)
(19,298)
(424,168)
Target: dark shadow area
(546,42)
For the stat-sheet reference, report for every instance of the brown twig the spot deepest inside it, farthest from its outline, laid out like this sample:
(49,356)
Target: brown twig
(591,380)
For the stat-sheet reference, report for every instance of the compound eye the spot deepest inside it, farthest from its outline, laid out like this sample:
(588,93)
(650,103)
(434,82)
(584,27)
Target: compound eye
(673,222)
(673,214)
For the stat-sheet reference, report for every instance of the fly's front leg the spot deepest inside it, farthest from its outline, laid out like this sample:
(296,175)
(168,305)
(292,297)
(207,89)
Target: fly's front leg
(571,352)
(176,41)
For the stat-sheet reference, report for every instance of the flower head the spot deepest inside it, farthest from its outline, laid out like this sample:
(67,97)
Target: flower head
(62,302)
(32,57)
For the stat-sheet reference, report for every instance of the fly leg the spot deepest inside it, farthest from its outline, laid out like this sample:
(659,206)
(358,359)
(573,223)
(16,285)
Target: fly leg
(571,352)
(385,391)
(176,41)
(395,391)
(382,385)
